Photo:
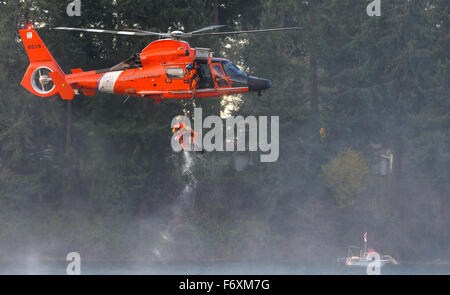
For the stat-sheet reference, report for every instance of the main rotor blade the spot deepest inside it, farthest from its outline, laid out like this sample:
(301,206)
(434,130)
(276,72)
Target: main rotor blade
(247,32)
(165,35)
(207,29)
(128,33)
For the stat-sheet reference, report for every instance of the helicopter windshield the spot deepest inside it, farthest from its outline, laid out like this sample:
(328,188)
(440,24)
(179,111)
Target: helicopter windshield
(237,77)
(231,70)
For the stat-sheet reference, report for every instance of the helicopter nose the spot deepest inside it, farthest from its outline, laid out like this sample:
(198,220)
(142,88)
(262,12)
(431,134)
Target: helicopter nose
(258,84)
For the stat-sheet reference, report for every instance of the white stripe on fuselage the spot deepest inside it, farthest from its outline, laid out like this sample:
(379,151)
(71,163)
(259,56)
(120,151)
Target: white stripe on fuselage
(108,81)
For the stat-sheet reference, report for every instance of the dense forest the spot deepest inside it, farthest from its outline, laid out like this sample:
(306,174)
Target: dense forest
(363,104)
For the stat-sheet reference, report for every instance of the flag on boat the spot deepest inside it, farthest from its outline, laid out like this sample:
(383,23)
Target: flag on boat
(365,237)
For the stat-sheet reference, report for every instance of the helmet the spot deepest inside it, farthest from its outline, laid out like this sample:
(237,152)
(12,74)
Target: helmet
(178,125)
(190,67)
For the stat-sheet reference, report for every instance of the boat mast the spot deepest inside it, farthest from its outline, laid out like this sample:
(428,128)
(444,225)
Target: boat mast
(365,242)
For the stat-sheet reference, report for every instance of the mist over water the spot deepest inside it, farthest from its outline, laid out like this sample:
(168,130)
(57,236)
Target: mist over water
(181,206)
(171,242)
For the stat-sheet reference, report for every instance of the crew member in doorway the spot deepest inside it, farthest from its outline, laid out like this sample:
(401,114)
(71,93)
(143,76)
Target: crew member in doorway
(193,78)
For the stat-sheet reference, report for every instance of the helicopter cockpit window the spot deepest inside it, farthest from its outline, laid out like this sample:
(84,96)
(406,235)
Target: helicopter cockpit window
(175,73)
(219,76)
(231,70)
(237,77)
(218,71)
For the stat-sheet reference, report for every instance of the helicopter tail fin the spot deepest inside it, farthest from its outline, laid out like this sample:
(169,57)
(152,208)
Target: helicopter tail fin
(43,77)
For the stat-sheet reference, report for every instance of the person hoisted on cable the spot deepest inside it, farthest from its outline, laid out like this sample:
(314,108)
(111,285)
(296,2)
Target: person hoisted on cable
(183,130)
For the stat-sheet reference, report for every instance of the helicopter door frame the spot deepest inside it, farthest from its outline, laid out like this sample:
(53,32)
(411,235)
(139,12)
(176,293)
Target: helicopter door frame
(220,83)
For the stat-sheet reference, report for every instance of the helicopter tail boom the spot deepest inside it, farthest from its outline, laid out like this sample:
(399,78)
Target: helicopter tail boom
(43,77)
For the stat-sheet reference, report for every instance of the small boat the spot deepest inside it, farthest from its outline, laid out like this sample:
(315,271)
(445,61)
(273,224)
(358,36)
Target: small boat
(365,257)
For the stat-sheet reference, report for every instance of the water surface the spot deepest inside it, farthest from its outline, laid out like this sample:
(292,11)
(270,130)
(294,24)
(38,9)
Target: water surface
(152,268)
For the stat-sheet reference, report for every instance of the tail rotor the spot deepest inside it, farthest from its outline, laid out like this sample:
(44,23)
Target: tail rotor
(41,81)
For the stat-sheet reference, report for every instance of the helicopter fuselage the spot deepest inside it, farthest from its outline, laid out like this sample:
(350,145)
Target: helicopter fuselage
(158,72)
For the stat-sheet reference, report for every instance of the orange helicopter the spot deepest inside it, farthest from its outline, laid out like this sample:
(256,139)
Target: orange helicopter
(166,69)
